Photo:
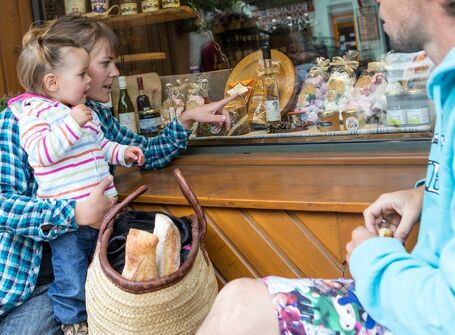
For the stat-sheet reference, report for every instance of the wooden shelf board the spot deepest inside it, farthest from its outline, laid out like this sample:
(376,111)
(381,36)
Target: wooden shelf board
(148,56)
(160,16)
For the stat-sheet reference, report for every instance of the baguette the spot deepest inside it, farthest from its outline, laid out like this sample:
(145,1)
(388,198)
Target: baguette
(140,256)
(169,245)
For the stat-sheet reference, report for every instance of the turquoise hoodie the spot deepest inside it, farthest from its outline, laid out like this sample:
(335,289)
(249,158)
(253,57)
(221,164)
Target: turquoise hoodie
(415,293)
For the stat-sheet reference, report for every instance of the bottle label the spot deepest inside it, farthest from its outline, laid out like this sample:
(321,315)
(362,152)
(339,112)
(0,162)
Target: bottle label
(418,116)
(128,120)
(352,123)
(272,110)
(128,8)
(149,125)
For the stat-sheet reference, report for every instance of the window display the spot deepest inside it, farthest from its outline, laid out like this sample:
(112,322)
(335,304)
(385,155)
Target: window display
(335,75)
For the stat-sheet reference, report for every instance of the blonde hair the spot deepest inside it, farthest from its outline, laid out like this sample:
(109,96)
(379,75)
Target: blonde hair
(41,53)
(84,31)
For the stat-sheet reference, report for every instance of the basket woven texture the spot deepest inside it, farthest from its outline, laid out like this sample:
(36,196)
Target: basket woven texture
(177,309)
(175,304)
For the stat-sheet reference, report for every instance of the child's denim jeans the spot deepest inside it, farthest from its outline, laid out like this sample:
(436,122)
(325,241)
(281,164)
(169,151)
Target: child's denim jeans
(70,259)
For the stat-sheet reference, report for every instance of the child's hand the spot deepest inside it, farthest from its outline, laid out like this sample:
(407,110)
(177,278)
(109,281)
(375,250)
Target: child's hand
(134,154)
(81,114)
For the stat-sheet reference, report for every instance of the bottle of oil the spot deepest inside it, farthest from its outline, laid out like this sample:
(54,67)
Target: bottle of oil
(272,100)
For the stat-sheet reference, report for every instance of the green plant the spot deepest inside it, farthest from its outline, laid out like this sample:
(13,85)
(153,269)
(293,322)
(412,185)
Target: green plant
(3,103)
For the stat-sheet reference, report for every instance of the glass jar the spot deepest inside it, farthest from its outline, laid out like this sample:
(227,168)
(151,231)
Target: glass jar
(75,7)
(396,114)
(353,119)
(128,7)
(328,121)
(150,5)
(298,120)
(418,112)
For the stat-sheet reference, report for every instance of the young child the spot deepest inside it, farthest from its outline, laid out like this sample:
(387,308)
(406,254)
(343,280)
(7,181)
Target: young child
(68,153)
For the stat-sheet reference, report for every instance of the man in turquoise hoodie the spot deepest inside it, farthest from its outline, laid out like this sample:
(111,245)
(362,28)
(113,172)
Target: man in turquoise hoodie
(408,293)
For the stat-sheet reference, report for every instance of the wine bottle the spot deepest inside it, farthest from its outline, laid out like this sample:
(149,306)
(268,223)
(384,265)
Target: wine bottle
(169,107)
(272,101)
(126,113)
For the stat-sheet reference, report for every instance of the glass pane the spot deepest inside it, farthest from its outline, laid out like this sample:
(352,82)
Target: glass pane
(335,72)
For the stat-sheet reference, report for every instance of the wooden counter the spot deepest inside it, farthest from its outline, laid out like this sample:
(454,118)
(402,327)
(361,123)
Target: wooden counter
(278,213)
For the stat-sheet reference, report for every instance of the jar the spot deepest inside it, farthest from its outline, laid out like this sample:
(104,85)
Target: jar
(150,122)
(353,119)
(298,120)
(418,113)
(74,7)
(396,114)
(128,7)
(100,6)
(328,121)
(170,3)
(150,5)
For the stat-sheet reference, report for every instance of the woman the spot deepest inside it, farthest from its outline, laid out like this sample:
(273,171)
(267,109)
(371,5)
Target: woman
(27,224)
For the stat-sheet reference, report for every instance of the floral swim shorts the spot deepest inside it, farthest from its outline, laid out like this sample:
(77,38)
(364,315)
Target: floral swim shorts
(320,307)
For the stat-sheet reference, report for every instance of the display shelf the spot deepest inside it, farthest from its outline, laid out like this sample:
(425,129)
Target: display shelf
(142,57)
(142,19)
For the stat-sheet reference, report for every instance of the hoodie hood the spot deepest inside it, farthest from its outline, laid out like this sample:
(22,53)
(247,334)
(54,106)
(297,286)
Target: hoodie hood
(17,103)
(442,80)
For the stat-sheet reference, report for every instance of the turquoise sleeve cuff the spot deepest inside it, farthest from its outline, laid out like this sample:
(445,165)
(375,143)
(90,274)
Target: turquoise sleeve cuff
(367,256)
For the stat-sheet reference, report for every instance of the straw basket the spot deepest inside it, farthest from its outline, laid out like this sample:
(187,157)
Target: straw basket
(175,304)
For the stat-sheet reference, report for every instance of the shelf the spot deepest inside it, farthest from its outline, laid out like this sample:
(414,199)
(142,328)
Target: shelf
(142,19)
(142,57)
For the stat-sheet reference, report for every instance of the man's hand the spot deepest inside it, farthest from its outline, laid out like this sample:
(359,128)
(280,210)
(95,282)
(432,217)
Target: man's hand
(91,211)
(400,209)
(210,113)
(81,114)
(134,155)
(359,235)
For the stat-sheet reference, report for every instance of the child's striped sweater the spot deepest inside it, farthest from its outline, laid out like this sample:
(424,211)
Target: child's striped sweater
(68,160)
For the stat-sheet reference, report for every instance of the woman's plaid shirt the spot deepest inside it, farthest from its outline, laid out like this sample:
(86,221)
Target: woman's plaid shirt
(25,222)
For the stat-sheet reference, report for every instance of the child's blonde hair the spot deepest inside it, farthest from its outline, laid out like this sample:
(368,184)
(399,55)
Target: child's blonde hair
(41,53)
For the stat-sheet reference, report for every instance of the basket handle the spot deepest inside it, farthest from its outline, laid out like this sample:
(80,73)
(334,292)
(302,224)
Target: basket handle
(192,199)
(118,207)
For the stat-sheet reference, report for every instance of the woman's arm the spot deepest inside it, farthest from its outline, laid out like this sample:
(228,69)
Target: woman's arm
(158,151)
(20,214)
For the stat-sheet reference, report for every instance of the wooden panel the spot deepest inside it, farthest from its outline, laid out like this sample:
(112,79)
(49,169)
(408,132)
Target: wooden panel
(324,227)
(297,243)
(346,224)
(302,188)
(225,257)
(16,20)
(260,252)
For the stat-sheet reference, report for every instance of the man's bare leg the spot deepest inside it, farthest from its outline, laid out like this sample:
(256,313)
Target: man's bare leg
(243,306)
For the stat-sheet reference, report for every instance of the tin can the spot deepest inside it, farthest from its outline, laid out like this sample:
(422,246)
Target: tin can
(170,3)
(128,7)
(74,7)
(150,5)
(328,121)
(100,6)
(353,119)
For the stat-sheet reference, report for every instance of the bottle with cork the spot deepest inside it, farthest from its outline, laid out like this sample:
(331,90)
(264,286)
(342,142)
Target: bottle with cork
(127,115)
